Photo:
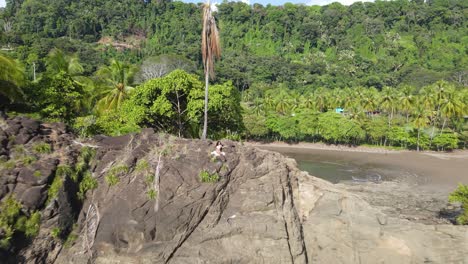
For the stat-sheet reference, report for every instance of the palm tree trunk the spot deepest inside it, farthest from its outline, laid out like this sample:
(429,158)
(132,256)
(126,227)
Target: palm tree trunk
(179,114)
(205,120)
(417,147)
(443,126)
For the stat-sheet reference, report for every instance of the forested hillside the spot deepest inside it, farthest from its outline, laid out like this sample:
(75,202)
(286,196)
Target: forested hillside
(404,60)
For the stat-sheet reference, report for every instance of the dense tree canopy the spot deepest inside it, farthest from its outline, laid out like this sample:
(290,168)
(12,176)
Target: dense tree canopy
(397,69)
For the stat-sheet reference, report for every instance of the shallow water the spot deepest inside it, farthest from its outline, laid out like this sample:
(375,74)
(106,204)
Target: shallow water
(408,167)
(338,169)
(334,172)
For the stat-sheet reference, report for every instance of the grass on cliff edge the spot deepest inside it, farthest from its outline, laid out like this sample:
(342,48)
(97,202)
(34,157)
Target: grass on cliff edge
(205,176)
(12,221)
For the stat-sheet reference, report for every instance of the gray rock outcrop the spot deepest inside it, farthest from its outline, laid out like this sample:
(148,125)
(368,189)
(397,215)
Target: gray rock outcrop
(150,206)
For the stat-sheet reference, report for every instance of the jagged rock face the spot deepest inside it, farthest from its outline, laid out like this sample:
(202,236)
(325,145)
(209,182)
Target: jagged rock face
(262,210)
(26,173)
(247,216)
(152,207)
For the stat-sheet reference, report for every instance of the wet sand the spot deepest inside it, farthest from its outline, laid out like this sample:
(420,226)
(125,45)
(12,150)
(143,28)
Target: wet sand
(437,171)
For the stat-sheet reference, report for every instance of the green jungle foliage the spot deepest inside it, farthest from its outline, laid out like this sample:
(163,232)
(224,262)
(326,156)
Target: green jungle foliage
(398,69)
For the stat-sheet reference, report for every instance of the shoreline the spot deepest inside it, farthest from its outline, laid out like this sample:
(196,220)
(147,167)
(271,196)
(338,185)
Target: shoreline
(363,149)
(438,171)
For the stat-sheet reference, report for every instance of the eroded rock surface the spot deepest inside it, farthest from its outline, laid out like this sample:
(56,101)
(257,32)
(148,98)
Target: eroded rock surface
(153,208)
(30,153)
(263,210)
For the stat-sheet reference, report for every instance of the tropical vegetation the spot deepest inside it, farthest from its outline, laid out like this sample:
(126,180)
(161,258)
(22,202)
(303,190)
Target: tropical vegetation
(384,73)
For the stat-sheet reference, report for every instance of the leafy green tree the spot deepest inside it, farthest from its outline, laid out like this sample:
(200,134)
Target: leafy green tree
(174,103)
(170,103)
(58,97)
(398,136)
(255,125)
(336,128)
(307,123)
(284,126)
(445,141)
(59,64)
(224,110)
(376,130)
(451,107)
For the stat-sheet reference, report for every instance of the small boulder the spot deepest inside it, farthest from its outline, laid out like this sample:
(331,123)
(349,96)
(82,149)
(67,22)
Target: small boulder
(34,197)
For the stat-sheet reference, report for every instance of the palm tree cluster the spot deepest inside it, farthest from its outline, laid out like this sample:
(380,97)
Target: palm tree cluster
(439,108)
(104,91)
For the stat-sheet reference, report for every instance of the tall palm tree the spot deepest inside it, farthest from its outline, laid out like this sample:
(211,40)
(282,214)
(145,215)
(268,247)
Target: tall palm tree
(428,101)
(57,61)
(113,84)
(388,102)
(420,120)
(11,79)
(451,107)
(407,100)
(211,49)
(321,99)
(306,101)
(258,107)
(283,103)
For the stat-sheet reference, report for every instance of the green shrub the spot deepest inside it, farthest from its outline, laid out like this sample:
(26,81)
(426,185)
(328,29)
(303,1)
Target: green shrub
(86,126)
(28,160)
(81,167)
(86,184)
(149,179)
(32,225)
(56,232)
(54,187)
(8,165)
(119,170)
(72,237)
(42,148)
(207,177)
(64,171)
(112,179)
(9,212)
(19,149)
(113,175)
(461,195)
(29,226)
(142,165)
(151,194)
(445,141)
(87,153)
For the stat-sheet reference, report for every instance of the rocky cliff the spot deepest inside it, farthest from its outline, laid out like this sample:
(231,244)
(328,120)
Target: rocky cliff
(154,198)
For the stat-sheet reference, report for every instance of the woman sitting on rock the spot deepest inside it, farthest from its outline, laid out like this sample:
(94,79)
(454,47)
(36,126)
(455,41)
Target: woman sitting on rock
(218,152)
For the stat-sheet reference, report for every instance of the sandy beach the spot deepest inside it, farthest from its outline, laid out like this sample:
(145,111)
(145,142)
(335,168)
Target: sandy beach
(441,171)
